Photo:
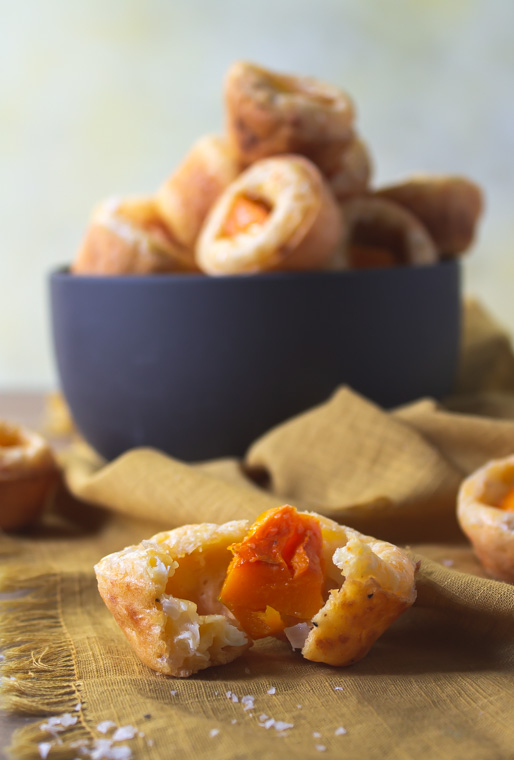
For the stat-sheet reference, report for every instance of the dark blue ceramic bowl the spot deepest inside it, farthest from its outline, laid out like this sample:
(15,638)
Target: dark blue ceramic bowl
(201,366)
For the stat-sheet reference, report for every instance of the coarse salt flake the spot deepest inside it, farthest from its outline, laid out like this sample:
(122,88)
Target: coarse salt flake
(214,732)
(272,690)
(316,734)
(248,702)
(103,750)
(338,688)
(105,726)
(340,731)
(44,749)
(321,748)
(124,732)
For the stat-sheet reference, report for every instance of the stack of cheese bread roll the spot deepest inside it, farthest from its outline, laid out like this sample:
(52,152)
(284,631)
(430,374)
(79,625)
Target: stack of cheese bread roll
(287,187)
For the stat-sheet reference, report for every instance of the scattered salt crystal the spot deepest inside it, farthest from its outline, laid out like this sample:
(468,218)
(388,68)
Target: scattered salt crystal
(12,678)
(105,726)
(448,562)
(316,734)
(233,721)
(281,725)
(44,749)
(232,696)
(263,716)
(268,723)
(2,657)
(174,692)
(214,732)
(340,731)
(321,748)
(248,701)
(149,742)
(338,688)
(77,706)
(297,634)
(124,732)
(299,707)
(272,690)
(58,723)
(103,750)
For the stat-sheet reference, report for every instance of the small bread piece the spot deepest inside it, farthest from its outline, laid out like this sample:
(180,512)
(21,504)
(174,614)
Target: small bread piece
(186,197)
(485,510)
(270,113)
(380,233)
(374,586)
(128,236)
(278,214)
(28,474)
(448,206)
(163,593)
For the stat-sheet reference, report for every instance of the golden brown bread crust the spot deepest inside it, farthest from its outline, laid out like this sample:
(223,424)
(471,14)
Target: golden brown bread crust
(270,113)
(449,207)
(301,232)
(489,528)
(378,223)
(186,197)
(129,237)
(163,595)
(372,585)
(28,474)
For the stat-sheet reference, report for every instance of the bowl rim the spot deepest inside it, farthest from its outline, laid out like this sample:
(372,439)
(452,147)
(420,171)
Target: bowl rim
(63,272)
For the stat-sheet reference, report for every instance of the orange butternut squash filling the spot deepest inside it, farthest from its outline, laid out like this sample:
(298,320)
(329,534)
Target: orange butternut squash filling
(276,577)
(507,503)
(245,213)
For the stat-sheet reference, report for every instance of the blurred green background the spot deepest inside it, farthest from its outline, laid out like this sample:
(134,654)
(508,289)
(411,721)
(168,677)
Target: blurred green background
(105,97)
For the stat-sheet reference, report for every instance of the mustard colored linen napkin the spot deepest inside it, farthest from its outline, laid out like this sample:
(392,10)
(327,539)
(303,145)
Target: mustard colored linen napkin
(438,684)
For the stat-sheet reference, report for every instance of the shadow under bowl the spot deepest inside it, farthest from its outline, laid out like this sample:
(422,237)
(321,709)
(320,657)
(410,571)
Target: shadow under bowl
(199,367)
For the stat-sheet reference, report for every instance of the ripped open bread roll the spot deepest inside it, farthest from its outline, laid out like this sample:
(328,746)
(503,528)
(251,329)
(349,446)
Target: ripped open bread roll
(485,510)
(186,197)
(270,113)
(28,474)
(128,236)
(200,594)
(449,207)
(278,214)
(380,233)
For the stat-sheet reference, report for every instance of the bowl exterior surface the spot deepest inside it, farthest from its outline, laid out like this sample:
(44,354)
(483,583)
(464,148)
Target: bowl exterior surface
(199,367)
